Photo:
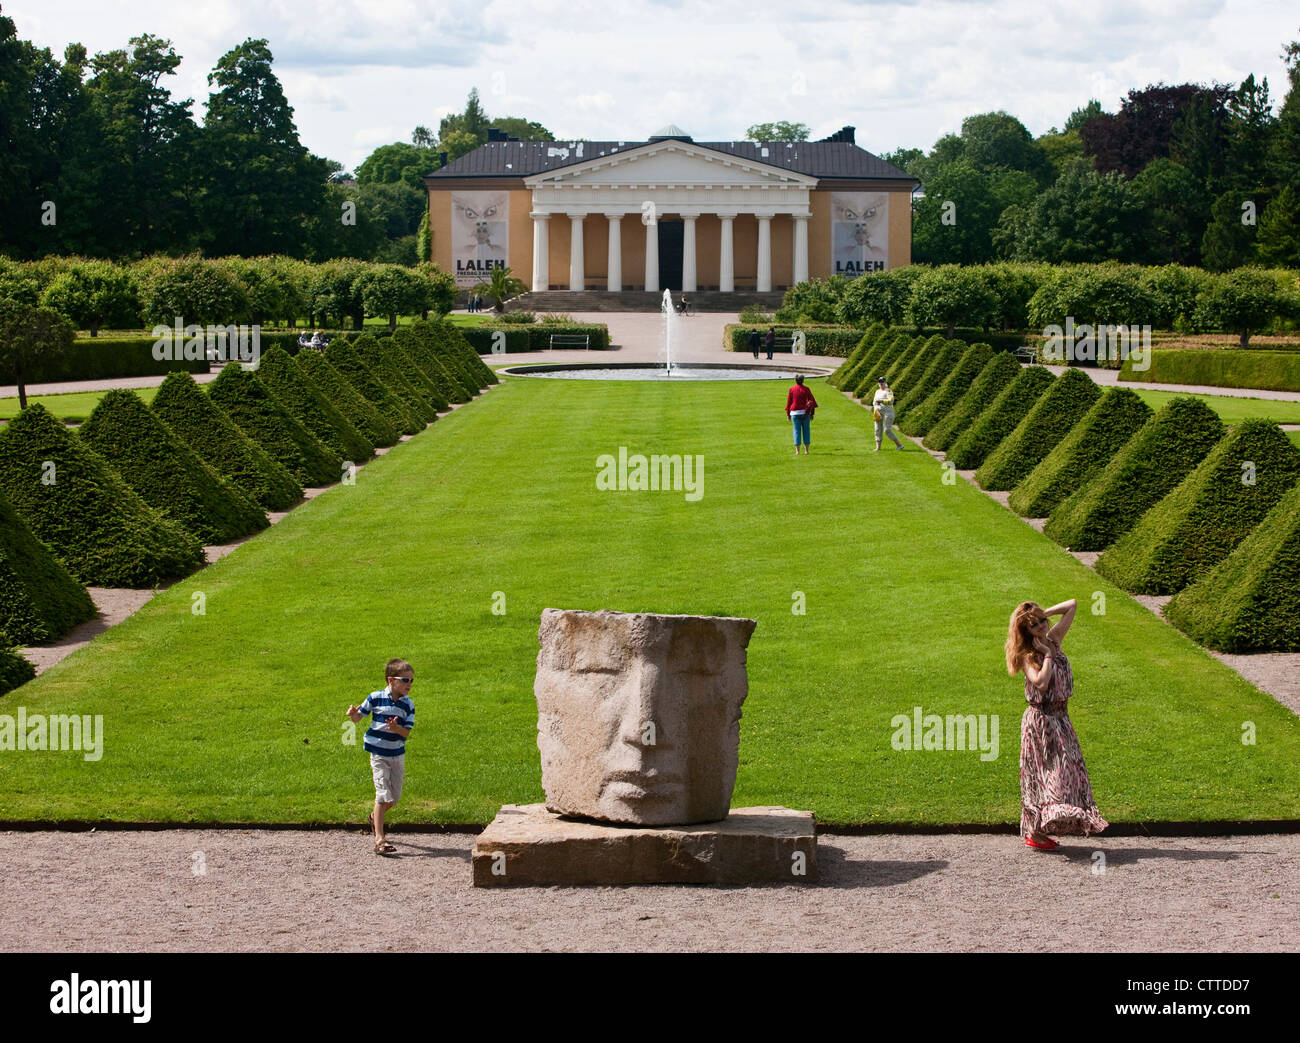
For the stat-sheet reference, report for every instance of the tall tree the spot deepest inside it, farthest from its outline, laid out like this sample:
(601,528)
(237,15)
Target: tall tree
(1143,129)
(781,130)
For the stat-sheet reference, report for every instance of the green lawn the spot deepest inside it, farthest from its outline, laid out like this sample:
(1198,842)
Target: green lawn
(74,406)
(1232,409)
(237,714)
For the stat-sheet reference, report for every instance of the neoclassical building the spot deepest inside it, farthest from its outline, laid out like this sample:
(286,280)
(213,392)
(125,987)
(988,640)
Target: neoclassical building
(669,213)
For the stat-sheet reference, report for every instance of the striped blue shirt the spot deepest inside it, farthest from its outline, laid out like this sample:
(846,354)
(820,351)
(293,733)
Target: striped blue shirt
(383,707)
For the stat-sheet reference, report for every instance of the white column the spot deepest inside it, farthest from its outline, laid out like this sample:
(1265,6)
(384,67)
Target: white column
(652,257)
(688,254)
(764,253)
(615,281)
(541,252)
(727,260)
(801,247)
(577,263)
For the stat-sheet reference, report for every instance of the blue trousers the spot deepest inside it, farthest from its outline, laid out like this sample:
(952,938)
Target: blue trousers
(802,425)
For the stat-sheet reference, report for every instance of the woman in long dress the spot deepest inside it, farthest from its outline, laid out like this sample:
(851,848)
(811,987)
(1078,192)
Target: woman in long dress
(1055,795)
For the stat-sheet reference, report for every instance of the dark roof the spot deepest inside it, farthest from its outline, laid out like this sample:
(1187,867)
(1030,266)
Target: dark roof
(820,159)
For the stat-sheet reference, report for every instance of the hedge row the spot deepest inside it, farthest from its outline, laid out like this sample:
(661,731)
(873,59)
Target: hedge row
(901,346)
(943,358)
(533,338)
(919,420)
(859,352)
(14,669)
(1115,418)
(1000,419)
(832,341)
(316,412)
(39,600)
(1228,368)
(1203,520)
(101,531)
(349,363)
(1047,423)
(1146,470)
(101,358)
(993,379)
(1250,602)
(388,369)
(168,474)
(865,365)
(907,370)
(331,385)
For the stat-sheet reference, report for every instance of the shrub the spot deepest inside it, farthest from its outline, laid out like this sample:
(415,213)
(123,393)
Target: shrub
(451,344)
(331,385)
(39,600)
(1140,475)
(166,472)
(384,363)
(345,358)
(94,294)
(14,669)
(865,344)
(996,375)
(512,341)
(918,421)
(194,290)
(902,345)
(1011,287)
(1001,418)
(557,318)
(753,315)
(951,295)
(104,358)
(1203,520)
(832,341)
(516,318)
(259,414)
(875,297)
(1106,294)
(907,371)
(1063,405)
(206,428)
(1268,370)
(422,350)
(942,359)
(316,412)
(866,364)
(1244,302)
(813,301)
(1115,418)
(403,345)
(97,527)
(1249,602)
(391,290)
(1173,290)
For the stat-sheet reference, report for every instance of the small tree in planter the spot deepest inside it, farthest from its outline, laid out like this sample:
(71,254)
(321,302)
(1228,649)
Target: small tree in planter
(501,286)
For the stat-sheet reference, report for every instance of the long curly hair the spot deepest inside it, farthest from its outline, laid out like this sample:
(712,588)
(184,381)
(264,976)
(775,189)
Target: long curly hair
(1020,635)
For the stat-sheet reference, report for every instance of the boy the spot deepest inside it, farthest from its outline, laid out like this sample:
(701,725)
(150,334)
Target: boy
(393,717)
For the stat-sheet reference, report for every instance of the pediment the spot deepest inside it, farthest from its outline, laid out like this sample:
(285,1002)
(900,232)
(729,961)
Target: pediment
(669,163)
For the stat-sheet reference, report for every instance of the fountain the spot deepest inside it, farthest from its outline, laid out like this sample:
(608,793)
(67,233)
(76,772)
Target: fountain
(670,327)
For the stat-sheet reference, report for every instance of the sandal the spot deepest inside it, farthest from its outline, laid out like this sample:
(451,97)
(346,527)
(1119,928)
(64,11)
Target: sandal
(1047,844)
(383,847)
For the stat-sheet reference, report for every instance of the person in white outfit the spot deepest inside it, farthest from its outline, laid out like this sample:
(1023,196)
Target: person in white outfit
(882,408)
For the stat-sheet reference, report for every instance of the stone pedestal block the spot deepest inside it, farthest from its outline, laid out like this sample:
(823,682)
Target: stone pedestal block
(528,846)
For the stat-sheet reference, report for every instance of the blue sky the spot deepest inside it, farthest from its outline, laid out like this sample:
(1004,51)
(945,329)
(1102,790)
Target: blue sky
(364,74)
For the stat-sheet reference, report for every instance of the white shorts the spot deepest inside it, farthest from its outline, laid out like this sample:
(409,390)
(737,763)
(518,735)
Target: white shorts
(388,773)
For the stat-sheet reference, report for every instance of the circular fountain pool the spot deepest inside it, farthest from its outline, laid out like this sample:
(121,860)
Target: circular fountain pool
(653,371)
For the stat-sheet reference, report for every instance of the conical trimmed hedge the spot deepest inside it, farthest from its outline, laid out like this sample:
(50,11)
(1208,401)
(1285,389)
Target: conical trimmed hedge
(1001,418)
(865,344)
(907,369)
(852,375)
(258,413)
(97,527)
(403,345)
(206,428)
(942,359)
(344,357)
(474,365)
(1250,601)
(1147,469)
(14,669)
(381,357)
(333,386)
(39,600)
(447,346)
(316,412)
(1203,520)
(1063,405)
(167,474)
(422,349)
(993,379)
(919,421)
(902,347)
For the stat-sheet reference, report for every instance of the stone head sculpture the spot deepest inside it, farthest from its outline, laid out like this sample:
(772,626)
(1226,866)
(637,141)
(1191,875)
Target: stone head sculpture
(638,715)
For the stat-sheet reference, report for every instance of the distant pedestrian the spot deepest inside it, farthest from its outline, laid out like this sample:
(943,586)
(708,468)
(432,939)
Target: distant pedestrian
(799,408)
(882,411)
(755,342)
(771,340)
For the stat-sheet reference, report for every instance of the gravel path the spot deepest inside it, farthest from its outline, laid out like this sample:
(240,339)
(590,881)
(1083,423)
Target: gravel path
(322,891)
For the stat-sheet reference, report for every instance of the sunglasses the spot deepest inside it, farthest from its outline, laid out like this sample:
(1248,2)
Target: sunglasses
(408,680)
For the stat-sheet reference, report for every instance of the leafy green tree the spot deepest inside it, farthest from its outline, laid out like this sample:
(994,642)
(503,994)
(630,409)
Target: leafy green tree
(398,162)
(194,290)
(473,121)
(1176,204)
(29,336)
(1143,129)
(439,291)
(93,294)
(457,143)
(950,296)
(1284,155)
(1229,241)
(1278,241)
(524,130)
(1061,150)
(1244,302)
(997,140)
(344,225)
(422,137)
(1251,129)
(389,289)
(954,221)
(501,285)
(781,130)
(1081,116)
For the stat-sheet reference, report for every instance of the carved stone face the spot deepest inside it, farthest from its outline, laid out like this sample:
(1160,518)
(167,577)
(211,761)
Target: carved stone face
(638,715)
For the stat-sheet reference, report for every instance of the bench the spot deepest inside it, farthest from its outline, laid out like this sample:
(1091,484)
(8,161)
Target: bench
(570,340)
(1026,354)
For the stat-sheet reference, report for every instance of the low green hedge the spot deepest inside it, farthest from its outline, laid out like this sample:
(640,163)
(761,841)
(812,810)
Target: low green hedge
(99,358)
(832,341)
(1224,368)
(1066,402)
(533,338)
(1091,444)
(166,472)
(354,369)
(1000,419)
(1203,520)
(1147,469)
(259,414)
(334,387)
(14,669)
(316,412)
(997,375)
(1249,602)
(209,431)
(918,421)
(39,600)
(101,531)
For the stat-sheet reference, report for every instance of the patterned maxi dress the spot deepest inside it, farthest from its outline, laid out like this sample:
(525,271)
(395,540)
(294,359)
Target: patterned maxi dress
(1055,795)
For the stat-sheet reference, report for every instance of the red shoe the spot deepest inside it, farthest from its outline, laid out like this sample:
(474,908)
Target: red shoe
(1050,845)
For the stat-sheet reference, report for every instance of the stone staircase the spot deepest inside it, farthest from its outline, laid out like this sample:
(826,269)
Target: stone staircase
(639,300)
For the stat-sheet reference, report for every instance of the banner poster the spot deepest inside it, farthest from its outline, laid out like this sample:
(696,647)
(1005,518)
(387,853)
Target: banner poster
(859,232)
(480,240)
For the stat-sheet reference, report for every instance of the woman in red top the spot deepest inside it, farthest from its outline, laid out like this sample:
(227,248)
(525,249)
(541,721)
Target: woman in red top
(799,407)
